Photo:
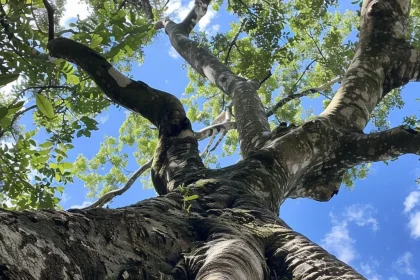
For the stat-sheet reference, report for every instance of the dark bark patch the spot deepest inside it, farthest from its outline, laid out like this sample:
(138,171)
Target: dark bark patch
(410,130)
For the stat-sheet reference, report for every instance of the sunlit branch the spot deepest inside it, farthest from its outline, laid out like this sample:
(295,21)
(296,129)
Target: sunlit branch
(162,109)
(110,195)
(305,92)
(197,12)
(382,145)
(377,65)
(252,123)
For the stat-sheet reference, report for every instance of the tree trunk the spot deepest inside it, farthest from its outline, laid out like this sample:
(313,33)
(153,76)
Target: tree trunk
(221,224)
(227,233)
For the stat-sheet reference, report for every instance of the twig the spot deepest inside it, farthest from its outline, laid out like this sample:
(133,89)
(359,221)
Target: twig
(305,92)
(2,132)
(200,135)
(110,195)
(232,43)
(39,87)
(265,78)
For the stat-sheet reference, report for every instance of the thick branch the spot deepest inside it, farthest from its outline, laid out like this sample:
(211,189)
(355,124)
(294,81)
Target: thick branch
(383,145)
(50,13)
(176,138)
(252,123)
(198,11)
(378,59)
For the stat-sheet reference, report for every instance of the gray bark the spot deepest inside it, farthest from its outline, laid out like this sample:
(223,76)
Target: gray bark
(232,229)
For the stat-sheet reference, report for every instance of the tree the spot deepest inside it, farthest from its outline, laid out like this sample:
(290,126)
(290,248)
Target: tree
(206,223)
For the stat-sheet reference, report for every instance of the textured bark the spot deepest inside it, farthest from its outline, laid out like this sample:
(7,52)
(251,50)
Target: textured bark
(231,230)
(252,123)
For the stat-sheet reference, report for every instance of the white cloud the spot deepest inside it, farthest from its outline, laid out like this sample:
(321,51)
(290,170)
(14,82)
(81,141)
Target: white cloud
(393,278)
(177,10)
(205,21)
(64,198)
(338,241)
(369,269)
(74,8)
(173,53)
(412,200)
(414,225)
(83,205)
(362,215)
(404,264)
(215,27)
(104,119)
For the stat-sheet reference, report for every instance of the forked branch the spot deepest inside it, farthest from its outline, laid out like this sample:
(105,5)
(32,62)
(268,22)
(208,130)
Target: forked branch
(162,109)
(252,124)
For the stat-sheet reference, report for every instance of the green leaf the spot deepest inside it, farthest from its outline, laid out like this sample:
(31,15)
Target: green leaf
(8,78)
(96,40)
(67,165)
(44,106)
(46,144)
(191,197)
(3,112)
(15,107)
(73,79)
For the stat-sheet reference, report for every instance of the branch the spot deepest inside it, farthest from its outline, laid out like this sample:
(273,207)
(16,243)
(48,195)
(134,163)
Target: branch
(110,195)
(377,65)
(198,11)
(210,131)
(162,109)
(50,12)
(382,145)
(147,9)
(232,43)
(58,34)
(145,6)
(305,92)
(269,74)
(253,126)
(15,117)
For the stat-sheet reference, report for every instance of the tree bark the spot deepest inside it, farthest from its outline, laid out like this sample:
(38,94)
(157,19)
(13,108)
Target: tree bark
(221,224)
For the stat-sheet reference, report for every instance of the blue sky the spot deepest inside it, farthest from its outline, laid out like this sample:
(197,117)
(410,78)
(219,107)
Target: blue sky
(375,227)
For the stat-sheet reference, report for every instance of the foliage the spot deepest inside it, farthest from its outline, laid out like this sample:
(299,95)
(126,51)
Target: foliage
(303,43)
